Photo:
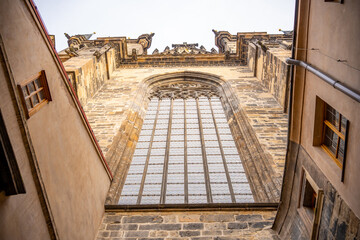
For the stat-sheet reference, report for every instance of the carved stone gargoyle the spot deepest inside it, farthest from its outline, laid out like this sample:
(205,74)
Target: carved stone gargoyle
(133,54)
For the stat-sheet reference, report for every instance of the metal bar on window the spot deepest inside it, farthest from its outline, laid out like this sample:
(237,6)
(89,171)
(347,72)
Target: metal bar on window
(186,188)
(222,155)
(205,164)
(148,156)
(345,147)
(167,153)
(333,128)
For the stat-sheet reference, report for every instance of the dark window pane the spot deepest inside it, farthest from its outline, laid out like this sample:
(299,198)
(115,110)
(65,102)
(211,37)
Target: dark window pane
(332,116)
(31,87)
(195,173)
(25,92)
(41,95)
(35,100)
(28,103)
(37,83)
(341,151)
(330,140)
(343,124)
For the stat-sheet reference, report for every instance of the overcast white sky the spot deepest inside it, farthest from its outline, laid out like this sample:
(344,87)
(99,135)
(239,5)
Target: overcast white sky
(172,21)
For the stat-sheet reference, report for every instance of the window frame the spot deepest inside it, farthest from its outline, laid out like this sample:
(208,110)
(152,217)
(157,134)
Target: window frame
(340,135)
(178,105)
(335,1)
(312,225)
(10,181)
(41,102)
(320,126)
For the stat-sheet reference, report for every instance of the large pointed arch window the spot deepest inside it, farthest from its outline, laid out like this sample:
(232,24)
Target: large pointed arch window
(186,153)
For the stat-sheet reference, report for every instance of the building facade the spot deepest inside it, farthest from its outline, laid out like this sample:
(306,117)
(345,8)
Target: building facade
(106,141)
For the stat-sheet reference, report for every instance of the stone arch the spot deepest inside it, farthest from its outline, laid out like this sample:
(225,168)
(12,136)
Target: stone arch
(264,181)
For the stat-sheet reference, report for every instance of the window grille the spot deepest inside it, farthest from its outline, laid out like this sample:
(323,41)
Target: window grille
(186,153)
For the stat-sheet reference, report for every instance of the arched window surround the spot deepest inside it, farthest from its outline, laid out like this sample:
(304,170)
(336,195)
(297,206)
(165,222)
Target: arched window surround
(264,181)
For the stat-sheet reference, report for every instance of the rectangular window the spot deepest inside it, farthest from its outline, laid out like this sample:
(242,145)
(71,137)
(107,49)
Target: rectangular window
(334,132)
(335,1)
(330,132)
(310,204)
(10,179)
(34,93)
(186,154)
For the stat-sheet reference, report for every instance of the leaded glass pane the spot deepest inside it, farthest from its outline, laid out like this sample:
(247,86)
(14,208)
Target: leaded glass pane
(203,136)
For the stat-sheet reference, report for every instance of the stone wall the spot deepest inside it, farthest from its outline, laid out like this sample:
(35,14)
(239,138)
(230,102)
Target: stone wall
(188,225)
(88,72)
(270,67)
(107,111)
(337,219)
(64,175)
(185,60)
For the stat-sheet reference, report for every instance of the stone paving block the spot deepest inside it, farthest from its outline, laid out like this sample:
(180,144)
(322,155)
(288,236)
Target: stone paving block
(150,238)
(113,227)
(250,217)
(104,234)
(211,233)
(189,233)
(112,219)
(170,219)
(143,219)
(242,225)
(189,218)
(201,238)
(168,227)
(137,234)
(158,233)
(259,224)
(116,234)
(217,218)
(215,226)
(193,226)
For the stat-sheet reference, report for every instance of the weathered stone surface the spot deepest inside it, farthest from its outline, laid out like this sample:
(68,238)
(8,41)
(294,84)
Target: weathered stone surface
(107,112)
(216,226)
(248,218)
(137,234)
(259,224)
(189,218)
(217,218)
(143,219)
(193,226)
(243,225)
(107,109)
(160,227)
(189,233)
(196,229)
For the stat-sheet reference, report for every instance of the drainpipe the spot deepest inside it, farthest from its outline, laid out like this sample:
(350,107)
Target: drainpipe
(336,84)
(289,128)
(255,60)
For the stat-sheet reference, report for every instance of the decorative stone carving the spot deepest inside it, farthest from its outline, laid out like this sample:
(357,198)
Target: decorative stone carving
(185,48)
(156,51)
(184,90)
(97,54)
(77,41)
(227,55)
(213,51)
(133,55)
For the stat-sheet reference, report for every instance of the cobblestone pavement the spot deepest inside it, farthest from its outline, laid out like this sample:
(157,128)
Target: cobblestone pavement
(106,110)
(191,225)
